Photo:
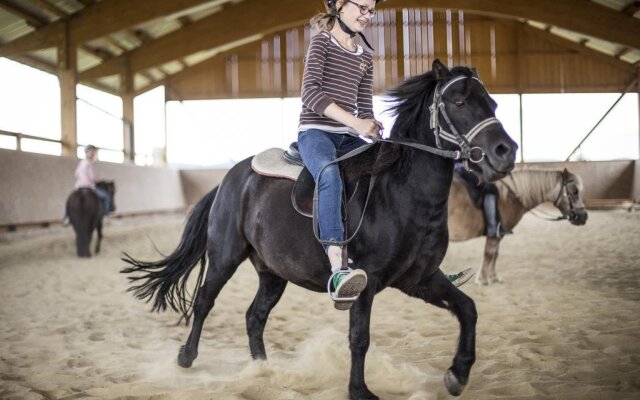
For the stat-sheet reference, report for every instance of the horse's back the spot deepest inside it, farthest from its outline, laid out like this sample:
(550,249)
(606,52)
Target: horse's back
(257,210)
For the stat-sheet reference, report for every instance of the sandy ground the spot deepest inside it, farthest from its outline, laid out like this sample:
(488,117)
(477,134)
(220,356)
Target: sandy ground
(564,325)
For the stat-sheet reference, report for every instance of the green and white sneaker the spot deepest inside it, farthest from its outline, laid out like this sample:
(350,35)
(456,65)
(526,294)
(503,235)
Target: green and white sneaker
(345,286)
(461,277)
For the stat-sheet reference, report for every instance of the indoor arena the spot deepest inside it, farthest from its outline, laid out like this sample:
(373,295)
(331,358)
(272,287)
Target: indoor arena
(166,220)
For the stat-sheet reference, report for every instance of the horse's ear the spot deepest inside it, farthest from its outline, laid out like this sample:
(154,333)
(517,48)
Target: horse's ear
(474,71)
(439,69)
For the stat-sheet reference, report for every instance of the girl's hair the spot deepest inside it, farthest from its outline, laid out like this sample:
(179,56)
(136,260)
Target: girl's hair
(324,21)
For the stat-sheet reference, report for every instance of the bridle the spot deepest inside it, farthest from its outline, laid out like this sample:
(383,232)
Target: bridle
(438,108)
(566,190)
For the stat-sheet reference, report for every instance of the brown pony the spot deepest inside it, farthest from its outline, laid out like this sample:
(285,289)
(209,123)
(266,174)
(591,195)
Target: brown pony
(520,192)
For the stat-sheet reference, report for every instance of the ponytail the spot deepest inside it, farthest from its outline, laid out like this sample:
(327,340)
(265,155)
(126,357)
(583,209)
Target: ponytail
(325,21)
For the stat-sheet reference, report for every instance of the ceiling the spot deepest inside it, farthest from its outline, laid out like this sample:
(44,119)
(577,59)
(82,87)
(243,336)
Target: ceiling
(157,39)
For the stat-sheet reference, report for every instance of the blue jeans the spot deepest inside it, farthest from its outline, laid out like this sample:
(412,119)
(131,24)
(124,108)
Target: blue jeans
(318,148)
(106,200)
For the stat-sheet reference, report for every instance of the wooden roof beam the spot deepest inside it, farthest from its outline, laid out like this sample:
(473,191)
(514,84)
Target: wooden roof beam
(30,18)
(631,8)
(219,29)
(582,16)
(96,20)
(578,47)
(53,9)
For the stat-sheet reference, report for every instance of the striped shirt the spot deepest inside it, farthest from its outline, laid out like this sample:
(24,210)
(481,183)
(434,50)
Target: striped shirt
(332,74)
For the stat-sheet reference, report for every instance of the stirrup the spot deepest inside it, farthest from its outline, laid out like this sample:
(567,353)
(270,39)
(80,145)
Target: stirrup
(333,296)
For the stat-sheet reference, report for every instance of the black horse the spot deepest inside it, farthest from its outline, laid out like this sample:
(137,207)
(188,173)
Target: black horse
(86,211)
(401,243)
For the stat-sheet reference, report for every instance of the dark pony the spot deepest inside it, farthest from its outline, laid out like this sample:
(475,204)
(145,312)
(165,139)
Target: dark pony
(85,211)
(401,243)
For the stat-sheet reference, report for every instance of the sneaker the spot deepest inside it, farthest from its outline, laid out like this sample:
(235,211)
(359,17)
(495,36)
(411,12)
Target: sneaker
(345,286)
(461,277)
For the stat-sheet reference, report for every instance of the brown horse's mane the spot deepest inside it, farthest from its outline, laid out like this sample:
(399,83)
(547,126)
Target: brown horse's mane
(532,186)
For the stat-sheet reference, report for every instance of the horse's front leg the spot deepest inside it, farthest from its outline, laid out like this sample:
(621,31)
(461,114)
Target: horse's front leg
(437,290)
(491,251)
(487,271)
(359,337)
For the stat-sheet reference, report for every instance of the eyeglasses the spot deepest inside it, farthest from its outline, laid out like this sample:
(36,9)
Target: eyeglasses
(364,9)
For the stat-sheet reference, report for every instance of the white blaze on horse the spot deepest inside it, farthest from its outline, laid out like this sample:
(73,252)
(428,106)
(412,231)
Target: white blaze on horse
(520,192)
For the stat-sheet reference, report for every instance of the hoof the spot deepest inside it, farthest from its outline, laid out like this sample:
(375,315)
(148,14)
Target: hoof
(185,360)
(454,385)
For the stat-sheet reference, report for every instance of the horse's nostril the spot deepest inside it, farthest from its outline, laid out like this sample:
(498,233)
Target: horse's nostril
(502,150)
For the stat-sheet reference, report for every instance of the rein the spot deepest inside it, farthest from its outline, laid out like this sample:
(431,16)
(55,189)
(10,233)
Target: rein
(463,141)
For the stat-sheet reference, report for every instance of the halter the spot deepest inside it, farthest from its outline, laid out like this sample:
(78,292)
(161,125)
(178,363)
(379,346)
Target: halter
(438,108)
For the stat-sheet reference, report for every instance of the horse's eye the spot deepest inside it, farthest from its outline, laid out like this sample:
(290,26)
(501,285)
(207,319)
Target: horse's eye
(459,103)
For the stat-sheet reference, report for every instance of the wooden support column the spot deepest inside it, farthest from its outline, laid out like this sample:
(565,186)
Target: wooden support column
(128,120)
(67,76)
(400,46)
(638,90)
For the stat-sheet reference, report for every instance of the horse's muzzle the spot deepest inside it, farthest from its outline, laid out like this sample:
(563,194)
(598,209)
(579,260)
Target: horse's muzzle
(578,216)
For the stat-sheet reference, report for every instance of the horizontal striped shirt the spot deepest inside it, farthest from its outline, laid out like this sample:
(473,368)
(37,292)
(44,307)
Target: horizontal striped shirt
(332,74)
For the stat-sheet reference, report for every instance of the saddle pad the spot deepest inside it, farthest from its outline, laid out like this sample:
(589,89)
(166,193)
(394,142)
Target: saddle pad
(271,163)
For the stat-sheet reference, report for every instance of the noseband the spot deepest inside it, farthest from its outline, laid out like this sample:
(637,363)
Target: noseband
(438,108)
(564,192)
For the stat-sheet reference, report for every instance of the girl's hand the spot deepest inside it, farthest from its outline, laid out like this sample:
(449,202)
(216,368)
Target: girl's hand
(368,128)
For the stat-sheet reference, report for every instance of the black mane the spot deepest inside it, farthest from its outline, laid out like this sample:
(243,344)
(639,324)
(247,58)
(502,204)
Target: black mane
(409,103)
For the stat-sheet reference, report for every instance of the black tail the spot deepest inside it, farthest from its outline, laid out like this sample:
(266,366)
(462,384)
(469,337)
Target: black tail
(167,278)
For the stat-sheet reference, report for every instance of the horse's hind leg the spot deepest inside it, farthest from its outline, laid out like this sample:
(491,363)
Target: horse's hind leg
(269,293)
(438,291)
(217,277)
(99,240)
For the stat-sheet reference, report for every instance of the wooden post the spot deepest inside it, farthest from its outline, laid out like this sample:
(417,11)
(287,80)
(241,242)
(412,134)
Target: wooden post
(67,76)
(128,119)
(399,46)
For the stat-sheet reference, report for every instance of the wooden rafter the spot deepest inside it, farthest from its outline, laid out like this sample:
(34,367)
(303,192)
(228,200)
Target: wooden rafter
(32,19)
(96,20)
(631,8)
(53,9)
(268,16)
(622,52)
(216,30)
(578,47)
(582,16)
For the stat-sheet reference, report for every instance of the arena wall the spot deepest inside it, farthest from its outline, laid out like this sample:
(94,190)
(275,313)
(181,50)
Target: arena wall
(34,187)
(602,179)
(636,181)
(197,182)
